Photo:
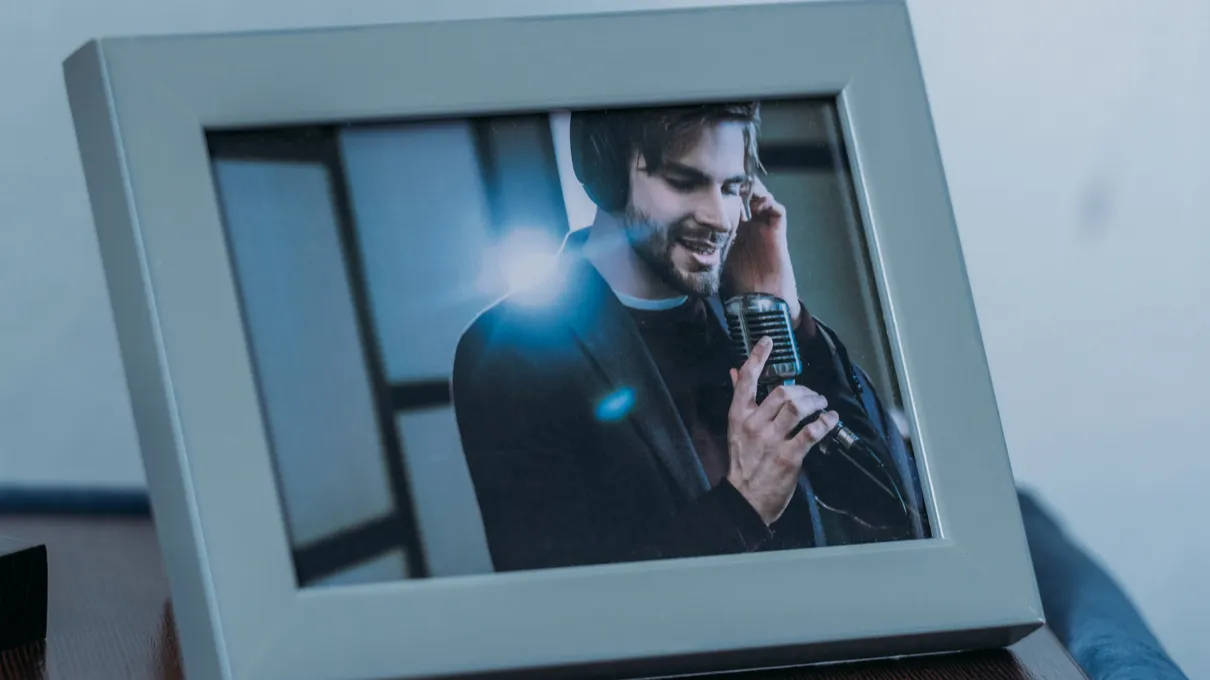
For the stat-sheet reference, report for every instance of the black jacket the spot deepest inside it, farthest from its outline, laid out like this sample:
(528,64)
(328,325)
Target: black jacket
(578,455)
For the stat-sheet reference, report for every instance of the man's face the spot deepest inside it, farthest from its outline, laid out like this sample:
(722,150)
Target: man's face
(682,218)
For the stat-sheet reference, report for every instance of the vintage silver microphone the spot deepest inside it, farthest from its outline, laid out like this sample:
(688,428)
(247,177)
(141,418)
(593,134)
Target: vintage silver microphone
(752,316)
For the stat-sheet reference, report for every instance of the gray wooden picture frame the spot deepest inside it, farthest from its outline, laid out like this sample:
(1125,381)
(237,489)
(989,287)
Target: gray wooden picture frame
(142,107)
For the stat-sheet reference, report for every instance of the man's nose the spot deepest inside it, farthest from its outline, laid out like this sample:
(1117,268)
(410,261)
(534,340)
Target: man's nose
(712,211)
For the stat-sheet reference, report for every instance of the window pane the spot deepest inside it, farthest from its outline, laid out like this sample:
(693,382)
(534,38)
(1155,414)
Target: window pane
(309,361)
(388,567)
(423,221)
(446,507)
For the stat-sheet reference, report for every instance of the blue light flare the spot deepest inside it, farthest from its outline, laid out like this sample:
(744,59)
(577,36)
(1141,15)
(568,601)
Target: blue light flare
(615,405)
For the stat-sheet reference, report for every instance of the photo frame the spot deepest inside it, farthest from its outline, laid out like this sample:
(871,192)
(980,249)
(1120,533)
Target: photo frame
(148,112)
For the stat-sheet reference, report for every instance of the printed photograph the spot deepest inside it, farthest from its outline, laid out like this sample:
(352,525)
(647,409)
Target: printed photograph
(566,339)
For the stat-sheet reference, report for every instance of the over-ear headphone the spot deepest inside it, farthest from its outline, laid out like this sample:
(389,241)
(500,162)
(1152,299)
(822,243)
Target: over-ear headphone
(600,159)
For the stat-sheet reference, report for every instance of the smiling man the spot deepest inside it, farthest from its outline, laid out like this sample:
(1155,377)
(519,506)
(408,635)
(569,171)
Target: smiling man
(612,425)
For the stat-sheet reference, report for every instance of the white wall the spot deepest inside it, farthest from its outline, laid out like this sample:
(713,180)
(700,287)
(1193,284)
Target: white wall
(1073,137)
(1075,142)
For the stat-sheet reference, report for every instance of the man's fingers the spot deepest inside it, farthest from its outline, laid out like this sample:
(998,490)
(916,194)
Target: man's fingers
(762,202)
(749,375)
(784,397)
(811,434)
(761,418)
(800,405)
(756,360)
(758,187)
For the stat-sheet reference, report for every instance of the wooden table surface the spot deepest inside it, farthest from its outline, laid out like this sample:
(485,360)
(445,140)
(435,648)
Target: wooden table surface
(109,617)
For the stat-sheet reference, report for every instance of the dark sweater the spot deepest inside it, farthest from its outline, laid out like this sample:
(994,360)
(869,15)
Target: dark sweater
(693,361)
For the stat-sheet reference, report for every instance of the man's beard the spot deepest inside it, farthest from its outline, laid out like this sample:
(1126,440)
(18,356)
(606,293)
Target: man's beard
(653,242)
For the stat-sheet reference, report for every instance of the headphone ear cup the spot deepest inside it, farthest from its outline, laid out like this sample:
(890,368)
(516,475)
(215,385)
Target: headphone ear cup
(596,161)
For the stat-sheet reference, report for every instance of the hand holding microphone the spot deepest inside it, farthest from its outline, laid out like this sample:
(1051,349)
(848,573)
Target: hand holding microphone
(773,421)
(764,440)
(754,316)
(758,316)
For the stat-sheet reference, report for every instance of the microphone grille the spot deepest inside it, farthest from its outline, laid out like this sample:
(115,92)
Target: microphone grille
(751,317)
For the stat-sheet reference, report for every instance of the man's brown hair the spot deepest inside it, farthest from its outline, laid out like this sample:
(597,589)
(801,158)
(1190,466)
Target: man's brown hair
(603,143)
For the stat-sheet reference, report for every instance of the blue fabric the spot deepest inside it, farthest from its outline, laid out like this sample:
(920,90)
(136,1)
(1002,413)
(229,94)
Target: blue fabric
(1087,610)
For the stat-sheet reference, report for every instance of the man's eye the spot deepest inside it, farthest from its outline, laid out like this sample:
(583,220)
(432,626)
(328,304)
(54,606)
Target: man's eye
(682,185)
